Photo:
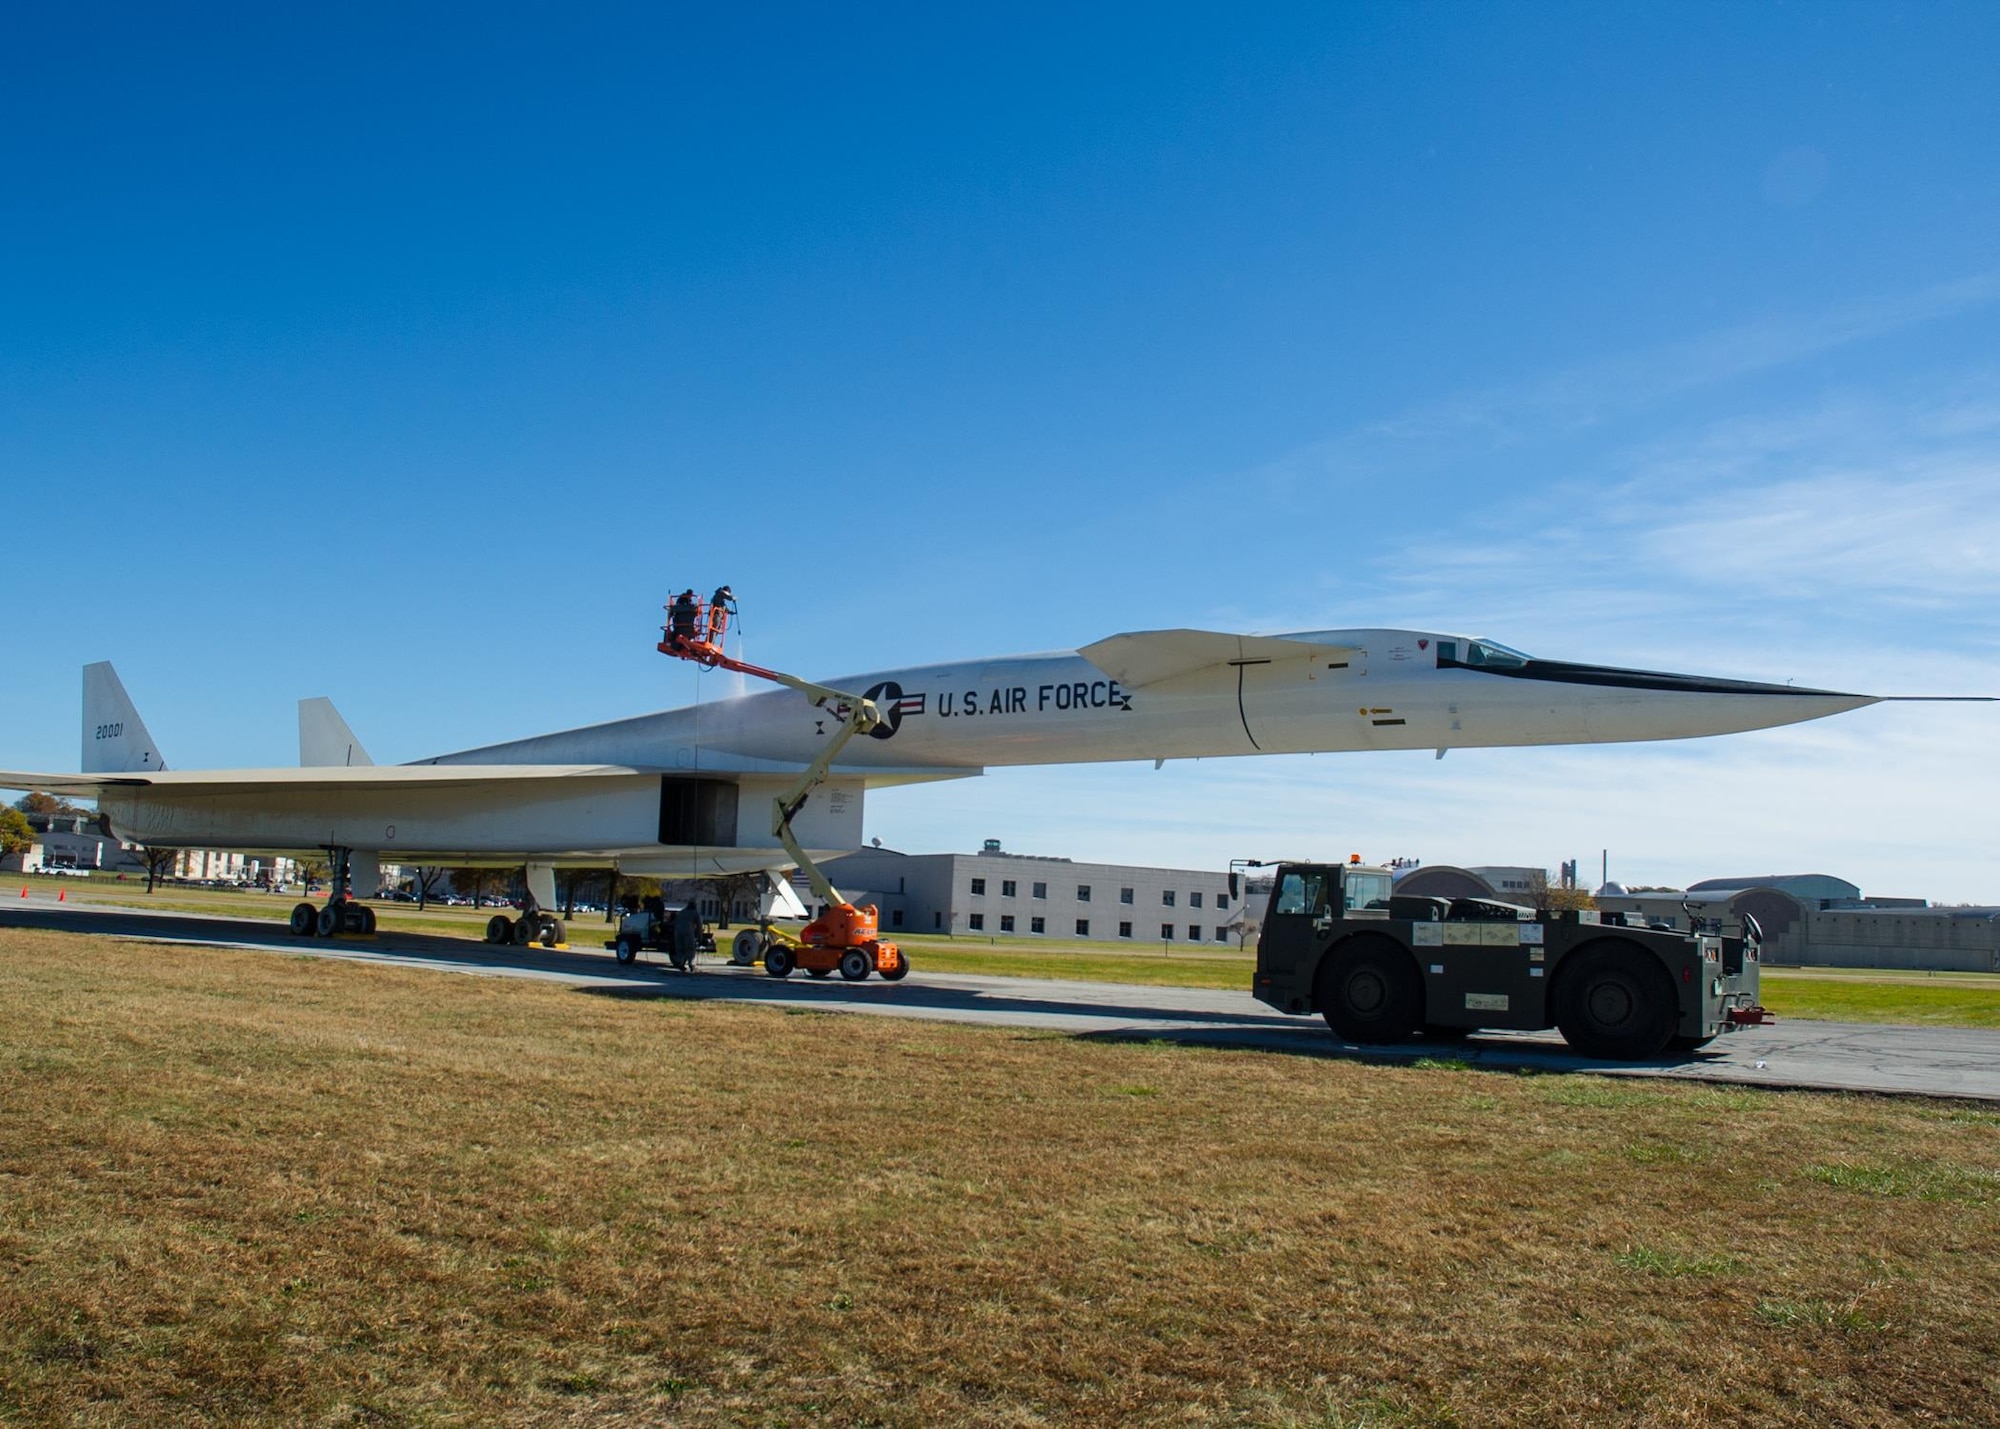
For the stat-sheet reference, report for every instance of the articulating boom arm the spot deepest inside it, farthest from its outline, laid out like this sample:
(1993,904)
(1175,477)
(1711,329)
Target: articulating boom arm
(858,716)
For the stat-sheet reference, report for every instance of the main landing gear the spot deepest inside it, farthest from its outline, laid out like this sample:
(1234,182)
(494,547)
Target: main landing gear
(535,925)
(343,915)
(532,927)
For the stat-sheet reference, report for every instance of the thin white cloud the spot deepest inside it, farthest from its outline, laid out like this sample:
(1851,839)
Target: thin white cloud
(1593,394)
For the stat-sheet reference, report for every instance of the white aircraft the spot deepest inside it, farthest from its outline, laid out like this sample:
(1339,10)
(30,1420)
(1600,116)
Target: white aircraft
(674,793)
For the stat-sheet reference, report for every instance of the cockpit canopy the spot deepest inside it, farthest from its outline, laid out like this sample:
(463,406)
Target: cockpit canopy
(1479,655)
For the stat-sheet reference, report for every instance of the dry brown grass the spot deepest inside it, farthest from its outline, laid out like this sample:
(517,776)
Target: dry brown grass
(250,1189)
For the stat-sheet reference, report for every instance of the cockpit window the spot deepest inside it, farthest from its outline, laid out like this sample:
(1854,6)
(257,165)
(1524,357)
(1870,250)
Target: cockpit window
(1488,655)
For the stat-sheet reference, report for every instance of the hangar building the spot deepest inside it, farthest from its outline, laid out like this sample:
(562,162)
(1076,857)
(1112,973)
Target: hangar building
(994,893)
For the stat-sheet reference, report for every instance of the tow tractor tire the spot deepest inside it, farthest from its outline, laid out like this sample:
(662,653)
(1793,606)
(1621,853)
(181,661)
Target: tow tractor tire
(855,964)
(819,972)
(305,920)
(367,916)
(499,929)
(745,950)
(1614,1001)
(898,972)
(778,960)
(628,947)
(330,920)
(1369,992)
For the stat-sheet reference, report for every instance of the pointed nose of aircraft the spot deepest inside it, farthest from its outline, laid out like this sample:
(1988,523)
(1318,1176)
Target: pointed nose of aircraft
(1655,704)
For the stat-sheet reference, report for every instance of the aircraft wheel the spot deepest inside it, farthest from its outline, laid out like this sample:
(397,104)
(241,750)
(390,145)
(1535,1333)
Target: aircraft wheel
(365,916)
(1616,1002)
(628,947)
(898,972)
(744,951)
(499,929)
(855,964)
(552,932)
(522,930)
(1369,991)
(778,960)
(329,920)
(305,920)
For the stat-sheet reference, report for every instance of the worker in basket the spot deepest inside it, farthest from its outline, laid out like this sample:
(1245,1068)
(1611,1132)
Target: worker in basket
(721,606)
(684,618)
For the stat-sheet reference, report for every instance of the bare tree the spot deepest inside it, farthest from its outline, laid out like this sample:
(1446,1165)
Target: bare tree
(158,861)
(1246,933)
(732,887)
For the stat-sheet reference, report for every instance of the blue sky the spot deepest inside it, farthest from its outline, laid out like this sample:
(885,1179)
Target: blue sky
(413,358)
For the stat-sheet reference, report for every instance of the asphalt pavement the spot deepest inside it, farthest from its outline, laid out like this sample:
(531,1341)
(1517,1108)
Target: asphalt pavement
(1838,1056)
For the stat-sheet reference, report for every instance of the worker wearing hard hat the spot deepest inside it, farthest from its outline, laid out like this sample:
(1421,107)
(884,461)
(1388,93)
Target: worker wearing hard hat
(721,606)
(684,616)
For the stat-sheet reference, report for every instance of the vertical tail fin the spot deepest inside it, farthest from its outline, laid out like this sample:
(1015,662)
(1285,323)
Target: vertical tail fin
(324,738)
(115,740)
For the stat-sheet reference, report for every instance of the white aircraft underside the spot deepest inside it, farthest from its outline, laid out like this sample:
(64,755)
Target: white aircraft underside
(688,792)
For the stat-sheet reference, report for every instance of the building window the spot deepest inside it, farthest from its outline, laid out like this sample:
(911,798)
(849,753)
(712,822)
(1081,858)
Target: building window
(1083,927)
(978,888)
(1041,890)
(1006,922)
(978,921)
(1221,935)
(1166,932)
(896,918)
(1222,901)
(1194,932)
(1166,897)
(1194,899)
(937,920)
(1124,930)
(1124,895)
(1083,893)
(1006,888)
(1036,925)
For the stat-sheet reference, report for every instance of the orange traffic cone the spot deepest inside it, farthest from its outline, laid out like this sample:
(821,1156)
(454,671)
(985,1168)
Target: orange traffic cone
(62,895)
(24,893)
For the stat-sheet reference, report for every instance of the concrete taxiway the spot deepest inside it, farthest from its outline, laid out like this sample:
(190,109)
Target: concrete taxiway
(1835,1056)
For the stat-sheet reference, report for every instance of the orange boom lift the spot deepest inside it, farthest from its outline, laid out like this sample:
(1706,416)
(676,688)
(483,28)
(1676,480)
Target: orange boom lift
(843,938)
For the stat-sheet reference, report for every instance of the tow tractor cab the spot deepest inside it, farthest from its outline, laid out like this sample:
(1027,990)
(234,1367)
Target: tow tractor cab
(1381,966)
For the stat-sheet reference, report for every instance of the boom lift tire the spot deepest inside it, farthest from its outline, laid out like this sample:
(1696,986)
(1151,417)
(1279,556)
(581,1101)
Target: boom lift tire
(855,964)
(1615,1002)
(900,971)
(819,972)
(305,920)
(1369,992)
(778,960)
